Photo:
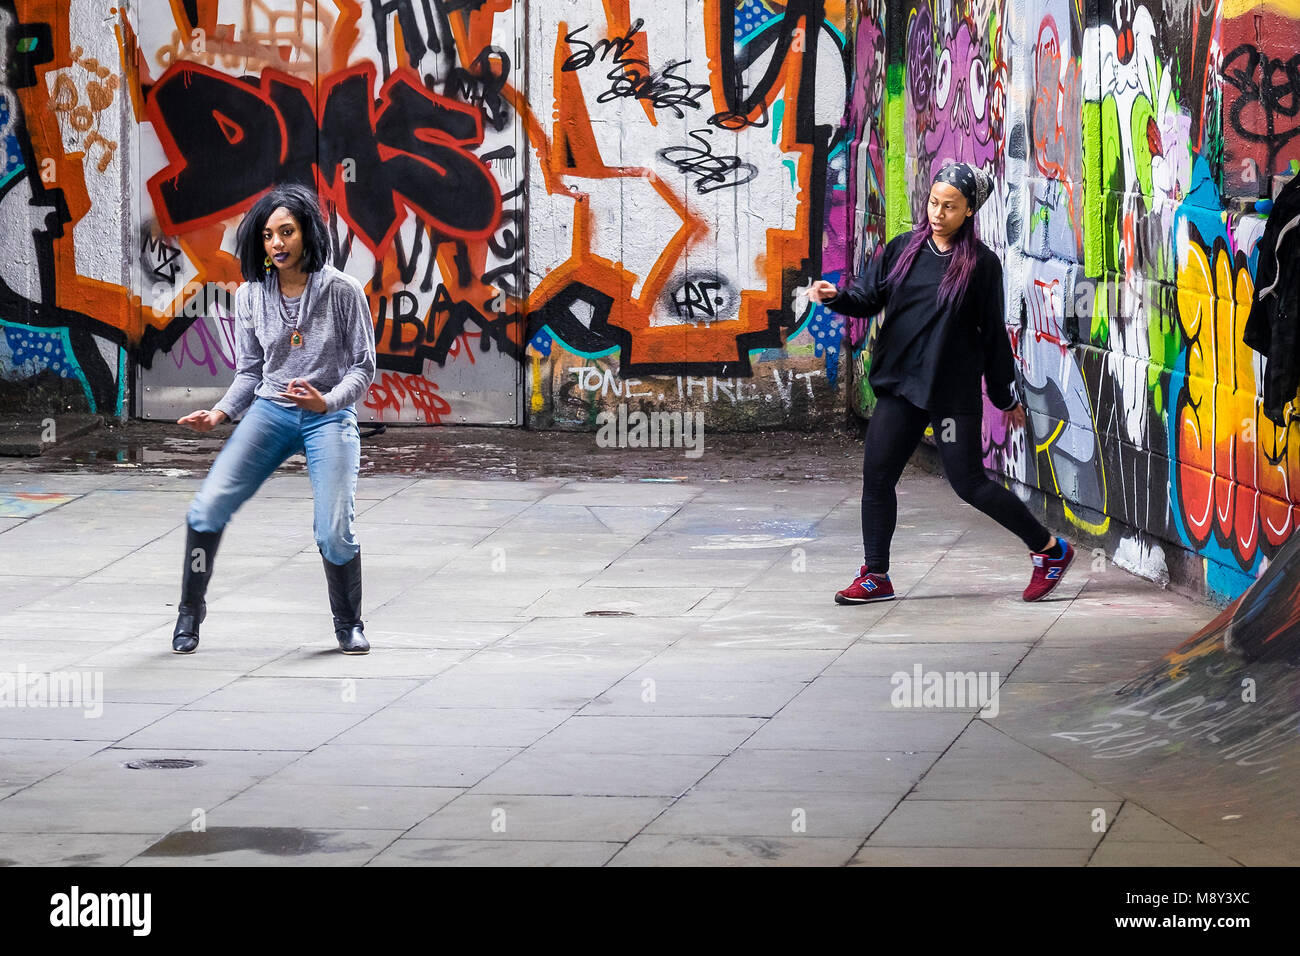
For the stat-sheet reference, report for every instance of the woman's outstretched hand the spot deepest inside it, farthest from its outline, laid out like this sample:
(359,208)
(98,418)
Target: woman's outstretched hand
(821,291)
(303,394)
(1015,415)
(203,420)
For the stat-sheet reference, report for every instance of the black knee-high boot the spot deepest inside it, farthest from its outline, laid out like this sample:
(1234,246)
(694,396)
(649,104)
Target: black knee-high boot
(345,603)
(200,550)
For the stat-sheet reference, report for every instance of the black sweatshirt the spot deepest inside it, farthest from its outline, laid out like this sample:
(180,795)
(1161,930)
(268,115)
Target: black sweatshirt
(934,355)
(1273,327)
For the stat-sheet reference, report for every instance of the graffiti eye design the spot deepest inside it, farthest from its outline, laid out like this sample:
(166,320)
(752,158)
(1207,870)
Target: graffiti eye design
(943,80)
(979,88)
(1124,45)
(1154,143)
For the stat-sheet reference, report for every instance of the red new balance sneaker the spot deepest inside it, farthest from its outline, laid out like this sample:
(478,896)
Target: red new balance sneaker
(1048,572)
(866,588)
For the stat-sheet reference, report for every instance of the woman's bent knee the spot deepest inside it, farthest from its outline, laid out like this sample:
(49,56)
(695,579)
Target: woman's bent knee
(337,550)
(202,517)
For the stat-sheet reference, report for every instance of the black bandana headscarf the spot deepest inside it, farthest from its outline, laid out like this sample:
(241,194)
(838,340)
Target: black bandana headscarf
(974,183)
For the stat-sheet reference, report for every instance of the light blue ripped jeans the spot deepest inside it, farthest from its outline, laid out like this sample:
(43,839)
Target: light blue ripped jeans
(261,443)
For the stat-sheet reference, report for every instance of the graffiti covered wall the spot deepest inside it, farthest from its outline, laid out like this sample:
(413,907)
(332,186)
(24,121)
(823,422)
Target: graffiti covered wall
(65,309)
(1129,142)
(691,175)
(555,207)
(137,137)
(396,112)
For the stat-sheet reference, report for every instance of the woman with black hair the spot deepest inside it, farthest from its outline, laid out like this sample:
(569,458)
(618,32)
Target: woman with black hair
(944,328)
(305,354)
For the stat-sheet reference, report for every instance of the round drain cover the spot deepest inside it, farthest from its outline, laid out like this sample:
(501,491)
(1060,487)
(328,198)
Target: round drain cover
(162,763)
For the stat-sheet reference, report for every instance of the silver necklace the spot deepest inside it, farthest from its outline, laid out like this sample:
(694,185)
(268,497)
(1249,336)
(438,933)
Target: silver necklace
(935,249)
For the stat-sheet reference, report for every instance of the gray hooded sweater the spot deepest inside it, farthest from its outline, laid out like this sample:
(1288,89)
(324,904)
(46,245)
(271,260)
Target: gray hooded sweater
(337,354)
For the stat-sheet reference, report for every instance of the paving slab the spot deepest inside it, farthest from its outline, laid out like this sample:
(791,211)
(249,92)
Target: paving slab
(325,806)
(928,856)
(1129,853)
(718,698)
(325,661)
(774,813)
(873,659)
(412,852)
(862,730)
(648,600)
(458,726)
(342,763)
(265,846)
(120,767)
(23,762)
(389,627)
(687,661)
(601,774)
(648,735)
(86,719)
(73,849)
(985,764)
(507,690)
(1016,824)
(194,730)
(152,807)
(1136,825)
(662,850)
(879,773)
(352,694)
(510,817)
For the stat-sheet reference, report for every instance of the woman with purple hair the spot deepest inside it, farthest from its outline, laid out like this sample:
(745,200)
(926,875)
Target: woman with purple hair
(942,288)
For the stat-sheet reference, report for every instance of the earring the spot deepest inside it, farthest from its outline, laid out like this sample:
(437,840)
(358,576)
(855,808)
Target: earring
(267,262)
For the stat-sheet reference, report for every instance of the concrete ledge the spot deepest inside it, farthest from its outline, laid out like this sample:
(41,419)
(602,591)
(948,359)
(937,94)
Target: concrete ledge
(30,435)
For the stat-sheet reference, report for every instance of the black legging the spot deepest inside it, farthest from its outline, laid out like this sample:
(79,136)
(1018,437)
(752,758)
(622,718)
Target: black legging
(895,429)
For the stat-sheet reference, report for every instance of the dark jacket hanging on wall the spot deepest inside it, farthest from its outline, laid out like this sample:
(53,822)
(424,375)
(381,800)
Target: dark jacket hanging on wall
(933,353)
(1273,329)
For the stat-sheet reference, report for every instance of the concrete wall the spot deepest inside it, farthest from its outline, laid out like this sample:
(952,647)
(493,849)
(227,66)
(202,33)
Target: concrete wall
(1125,139)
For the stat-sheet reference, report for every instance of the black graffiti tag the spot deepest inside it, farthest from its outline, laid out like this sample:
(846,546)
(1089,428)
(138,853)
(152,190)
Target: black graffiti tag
(664,89)
(586,53)
(483,84)
(1269,103)
(703,298)
(631,76)
(713,172)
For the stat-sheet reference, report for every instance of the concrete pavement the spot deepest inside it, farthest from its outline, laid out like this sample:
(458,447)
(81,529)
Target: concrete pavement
(567,671)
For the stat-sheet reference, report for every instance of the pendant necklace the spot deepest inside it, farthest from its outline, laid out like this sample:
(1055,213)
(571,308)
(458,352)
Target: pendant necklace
(292,316)
(935,249)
